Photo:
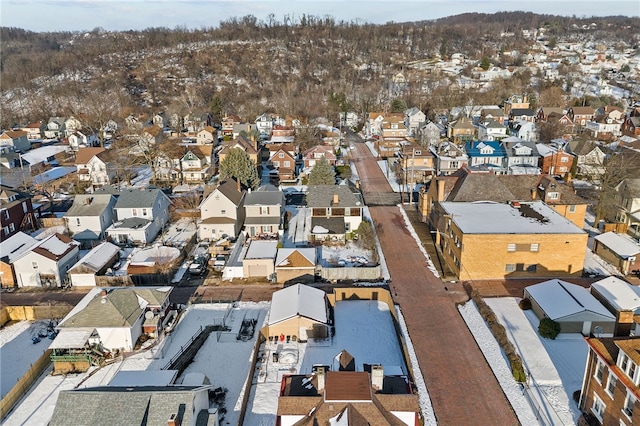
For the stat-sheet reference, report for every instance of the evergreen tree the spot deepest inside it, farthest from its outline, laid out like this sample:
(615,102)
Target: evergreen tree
(322,173)
(238,165)
(485,64)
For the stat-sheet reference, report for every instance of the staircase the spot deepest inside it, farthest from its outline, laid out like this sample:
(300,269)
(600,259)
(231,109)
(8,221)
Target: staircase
(182,359)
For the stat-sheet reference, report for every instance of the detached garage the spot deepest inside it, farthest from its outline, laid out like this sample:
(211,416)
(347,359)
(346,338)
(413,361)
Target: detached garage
(570,305)
(259,259)
(298,312)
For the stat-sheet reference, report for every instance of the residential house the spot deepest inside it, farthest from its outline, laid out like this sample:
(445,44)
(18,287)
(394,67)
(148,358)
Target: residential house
(350,119)
(34,130)
(414,118)
(416,163)
(55,128)
(631,127)
(196,164)
(264,123)
(461,130)
(71,125)
(94,264)
(93,168)
(109,130)
(311,156)
(159,120)
(195,121)
(264,212)
(153,405)
(448,157)
(621,299)
(373,124)
(522,114)
(259,259)
(525,130)
(207,135)
(151,135)
(10,249)
(243,143)
(89,217)
(296,265)
(486,155)
(491,130)
(561,197)
(544,114)
(112,318)
(284,163)
(515,102)
(495,114)
(222,211)
(335,212)
(606,127)
(228,121)
(572,306)
(352,397)
(298,310)
(610,389)
(590,158)
(580,115)
(430,133)
(248,128)
(521,156)
(47,262)
(554,159)
(14,141)
(619,250)
(628,205)
(16,212)
(76,140)
(140,215)
(524,240)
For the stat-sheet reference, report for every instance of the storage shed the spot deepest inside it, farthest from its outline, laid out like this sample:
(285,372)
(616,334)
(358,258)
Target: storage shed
(259,259)
(572,306)
(621,299)
(619,250)
(299,312)
(296,264)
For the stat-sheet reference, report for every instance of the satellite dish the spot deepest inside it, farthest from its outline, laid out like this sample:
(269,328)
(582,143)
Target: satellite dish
(149,315)
(597,330)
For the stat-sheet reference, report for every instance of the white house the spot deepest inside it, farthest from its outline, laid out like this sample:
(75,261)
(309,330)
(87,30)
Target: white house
(222,211)
(46,263)
(76,140)
(491,130)
(350,119)
(264,211)
(264,123)
(523,129)
(414,118)
(92,167)
(71,125)
(140,215)
(89,217)
(206,135)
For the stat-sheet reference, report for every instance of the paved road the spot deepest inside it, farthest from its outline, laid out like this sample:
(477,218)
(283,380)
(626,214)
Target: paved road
(461,385)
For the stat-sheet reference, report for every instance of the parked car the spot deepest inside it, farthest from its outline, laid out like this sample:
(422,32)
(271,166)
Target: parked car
(220,261)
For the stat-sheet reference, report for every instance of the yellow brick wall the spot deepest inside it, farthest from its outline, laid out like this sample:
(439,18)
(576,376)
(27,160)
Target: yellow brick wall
(6,276)
(485,256)
(577,217)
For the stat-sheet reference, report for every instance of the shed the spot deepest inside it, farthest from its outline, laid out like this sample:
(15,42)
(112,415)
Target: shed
(96,262)
(572,306)
(259,259)
(619,250)
(296,264)
(621,299)
(300,311)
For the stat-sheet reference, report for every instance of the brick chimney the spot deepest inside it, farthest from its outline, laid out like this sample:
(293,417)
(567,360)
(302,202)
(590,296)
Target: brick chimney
(440,190)
(377,376)
(320,376)
(173,420)
(336,199)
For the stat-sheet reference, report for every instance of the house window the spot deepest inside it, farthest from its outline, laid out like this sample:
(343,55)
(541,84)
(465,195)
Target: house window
(562,169)
(266,229)
(12,227)
(144,212)
(77,221)
(6,213)
(572,209)
(287,164)
(281,155)
(535,247)
(418,152)
(611,385)
(552,195)
(598,407)
(511,247)
(134,212)
(510,267)
(599,371)
(34,265)
(264,210)
(276,164)
(564,160)
(454,164)
(223,212)
(629,402)
(5,230)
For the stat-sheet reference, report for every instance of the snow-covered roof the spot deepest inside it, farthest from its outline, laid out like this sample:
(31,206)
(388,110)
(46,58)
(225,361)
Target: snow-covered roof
(98,257)
(39,155)
(262,250)
(499,218)
(53,174)
(619,244)
(619,293)
(75,338)
(134,378)
(151,256)
(560,299)
(15,245)
(308,253)
(299,300)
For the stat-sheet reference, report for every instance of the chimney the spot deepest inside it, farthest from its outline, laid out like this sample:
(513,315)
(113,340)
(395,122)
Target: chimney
(440,189)
(534,193)
(320,376)
(377,376)
(335,199)
(173,420)
(87,201)
(103,293)
(239,187)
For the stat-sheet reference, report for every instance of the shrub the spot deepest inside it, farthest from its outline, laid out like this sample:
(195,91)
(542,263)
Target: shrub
(525,304)
(549,328)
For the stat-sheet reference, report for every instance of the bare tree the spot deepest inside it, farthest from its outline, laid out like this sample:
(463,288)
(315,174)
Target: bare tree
(618,166)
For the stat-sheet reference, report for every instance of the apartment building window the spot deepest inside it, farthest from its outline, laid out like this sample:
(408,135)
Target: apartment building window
(511,247)
(599,371)
(629,402)
(535,247)
(510,267)
(611,384)
(598,407)
(572,209)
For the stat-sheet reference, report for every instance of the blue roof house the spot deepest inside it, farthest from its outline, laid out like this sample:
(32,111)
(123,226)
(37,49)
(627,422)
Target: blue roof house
(486,156)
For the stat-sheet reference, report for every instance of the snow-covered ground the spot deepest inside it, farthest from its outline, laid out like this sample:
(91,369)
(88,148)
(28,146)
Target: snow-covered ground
(299,227)
(348,255)
(18,352)
(407,224)
(363,328)
(178,234)
(555,367)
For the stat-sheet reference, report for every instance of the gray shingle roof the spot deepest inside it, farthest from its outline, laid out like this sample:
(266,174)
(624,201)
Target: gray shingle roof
(89,205)
(323,196)
(264,198)
(130,198)
(229,189)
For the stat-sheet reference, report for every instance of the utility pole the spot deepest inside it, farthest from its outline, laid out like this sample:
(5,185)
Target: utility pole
(413,165)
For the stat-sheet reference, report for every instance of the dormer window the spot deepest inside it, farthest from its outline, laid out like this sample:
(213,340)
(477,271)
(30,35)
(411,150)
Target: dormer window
(552,196)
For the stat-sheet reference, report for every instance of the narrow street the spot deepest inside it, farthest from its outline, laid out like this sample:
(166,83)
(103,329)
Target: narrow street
(461,385)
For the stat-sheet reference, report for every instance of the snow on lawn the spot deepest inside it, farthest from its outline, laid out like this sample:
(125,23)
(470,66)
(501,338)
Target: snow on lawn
(409,227)
(363,328)
(347,255)
(555,367)
(299,228)
(18,352)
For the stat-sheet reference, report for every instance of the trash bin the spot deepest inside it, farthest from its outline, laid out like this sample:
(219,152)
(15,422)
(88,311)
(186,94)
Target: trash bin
(275,357)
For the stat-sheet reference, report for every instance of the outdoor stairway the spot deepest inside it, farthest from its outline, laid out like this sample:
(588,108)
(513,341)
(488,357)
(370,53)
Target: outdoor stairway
(182,360)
